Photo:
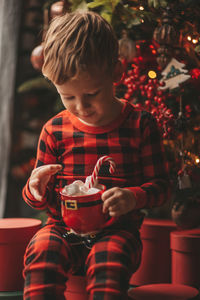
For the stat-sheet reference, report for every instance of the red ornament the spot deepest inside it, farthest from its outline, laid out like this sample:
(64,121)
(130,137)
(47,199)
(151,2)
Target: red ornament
(37,58)
(130,72)
(195,77)
(148,103)
(188,108)
(195,73)
(143,78)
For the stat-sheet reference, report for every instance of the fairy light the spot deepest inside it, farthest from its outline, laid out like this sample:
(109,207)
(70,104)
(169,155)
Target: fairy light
(194,41)
(141,20)
(197,160)
(141,7)
(152,74)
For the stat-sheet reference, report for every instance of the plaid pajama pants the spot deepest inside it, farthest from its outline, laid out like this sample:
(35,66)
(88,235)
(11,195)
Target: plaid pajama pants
(108,265)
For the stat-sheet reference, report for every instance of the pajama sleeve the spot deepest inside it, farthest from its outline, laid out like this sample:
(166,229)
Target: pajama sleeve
(46,154)
(155,190)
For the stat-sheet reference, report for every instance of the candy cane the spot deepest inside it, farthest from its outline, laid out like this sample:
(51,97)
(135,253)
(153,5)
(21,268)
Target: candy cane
(92,180)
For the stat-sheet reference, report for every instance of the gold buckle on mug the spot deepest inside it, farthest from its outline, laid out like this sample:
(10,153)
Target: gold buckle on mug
(71,204)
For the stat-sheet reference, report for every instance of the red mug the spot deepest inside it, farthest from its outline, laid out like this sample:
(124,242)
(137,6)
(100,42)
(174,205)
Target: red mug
(83,214)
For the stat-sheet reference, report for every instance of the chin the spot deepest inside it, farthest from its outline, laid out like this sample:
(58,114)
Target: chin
(88,122)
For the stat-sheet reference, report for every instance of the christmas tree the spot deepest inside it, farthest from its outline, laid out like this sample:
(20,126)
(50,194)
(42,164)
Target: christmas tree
(159,46)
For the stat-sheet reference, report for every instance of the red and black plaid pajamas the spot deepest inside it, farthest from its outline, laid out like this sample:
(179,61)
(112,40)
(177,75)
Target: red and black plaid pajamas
(134,142)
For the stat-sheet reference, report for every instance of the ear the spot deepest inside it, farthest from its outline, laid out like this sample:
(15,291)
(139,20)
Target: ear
(118,71)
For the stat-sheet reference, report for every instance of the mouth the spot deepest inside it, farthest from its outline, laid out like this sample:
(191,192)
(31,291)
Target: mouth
(86,115)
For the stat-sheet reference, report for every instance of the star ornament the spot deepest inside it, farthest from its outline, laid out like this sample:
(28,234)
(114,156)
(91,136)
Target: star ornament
(173,75)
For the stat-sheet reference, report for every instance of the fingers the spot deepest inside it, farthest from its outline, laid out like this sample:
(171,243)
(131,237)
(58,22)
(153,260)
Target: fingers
(118,201)
(108,193)
(34,187)
(113,207)
(115,210)
(40,178)
(109,198)
(49,170)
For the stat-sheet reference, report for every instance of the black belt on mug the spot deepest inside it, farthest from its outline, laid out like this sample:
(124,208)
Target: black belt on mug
(74,204)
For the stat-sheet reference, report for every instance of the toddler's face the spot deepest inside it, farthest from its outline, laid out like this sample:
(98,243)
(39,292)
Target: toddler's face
(90,98)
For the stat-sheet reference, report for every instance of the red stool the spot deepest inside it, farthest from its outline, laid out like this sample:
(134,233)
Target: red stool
(156,257)
(185,247)
(165,291)
(76,288)
(15,233)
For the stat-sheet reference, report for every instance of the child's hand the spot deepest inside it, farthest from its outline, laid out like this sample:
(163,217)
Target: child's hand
(118,201)
(39,179)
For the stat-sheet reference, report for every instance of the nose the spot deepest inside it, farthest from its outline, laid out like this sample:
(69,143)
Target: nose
(82,103)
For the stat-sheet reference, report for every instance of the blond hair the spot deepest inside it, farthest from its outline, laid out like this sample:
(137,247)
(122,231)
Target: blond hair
(77,42)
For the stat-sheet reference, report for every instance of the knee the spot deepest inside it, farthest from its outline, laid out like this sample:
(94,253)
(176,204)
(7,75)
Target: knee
(43,240)
(114,263)
(119,254)
(108,272)
(121,250)
(47,246)
(110,264)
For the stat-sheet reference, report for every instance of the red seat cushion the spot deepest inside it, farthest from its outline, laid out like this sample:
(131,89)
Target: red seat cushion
(163,292)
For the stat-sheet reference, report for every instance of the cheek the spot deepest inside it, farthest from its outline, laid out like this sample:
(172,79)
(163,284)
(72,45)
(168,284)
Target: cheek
(68,105)
(102,103)
(98,106)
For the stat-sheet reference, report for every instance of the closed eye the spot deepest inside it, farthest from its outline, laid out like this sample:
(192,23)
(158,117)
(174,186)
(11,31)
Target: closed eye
(68,98)
(93,94)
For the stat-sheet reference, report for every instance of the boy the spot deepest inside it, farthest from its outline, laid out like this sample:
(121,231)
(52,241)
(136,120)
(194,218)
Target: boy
(81,59)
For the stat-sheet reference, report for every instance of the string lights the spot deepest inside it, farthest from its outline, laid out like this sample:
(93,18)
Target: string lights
(192,39)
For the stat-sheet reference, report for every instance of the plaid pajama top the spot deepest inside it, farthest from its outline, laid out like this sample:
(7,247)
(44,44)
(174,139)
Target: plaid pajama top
(133,140)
